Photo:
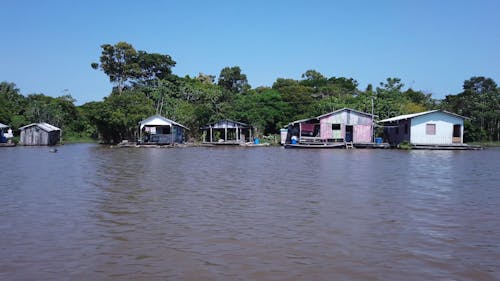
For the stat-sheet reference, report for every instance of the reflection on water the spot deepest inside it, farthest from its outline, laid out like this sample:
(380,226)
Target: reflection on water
(93,212)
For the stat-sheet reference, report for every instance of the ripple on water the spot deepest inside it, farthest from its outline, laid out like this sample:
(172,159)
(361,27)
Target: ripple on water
(91,212)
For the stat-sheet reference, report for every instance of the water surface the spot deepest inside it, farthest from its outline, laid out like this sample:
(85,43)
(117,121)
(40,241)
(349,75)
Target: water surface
(91,212)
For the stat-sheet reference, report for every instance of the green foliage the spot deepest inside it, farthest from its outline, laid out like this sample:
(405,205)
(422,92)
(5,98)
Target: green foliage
(12,104)
(124,65)
(233,80)
(263,110)
(117,117)
(145,86)
(480,101)
(405,145)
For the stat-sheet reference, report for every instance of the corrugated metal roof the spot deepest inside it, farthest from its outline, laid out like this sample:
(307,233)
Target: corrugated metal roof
(221,124)
(327,114)
(148,121)
(344,109)
(44,126)
(409,116)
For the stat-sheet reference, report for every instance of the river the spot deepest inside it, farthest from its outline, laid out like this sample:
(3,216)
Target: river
(91,212)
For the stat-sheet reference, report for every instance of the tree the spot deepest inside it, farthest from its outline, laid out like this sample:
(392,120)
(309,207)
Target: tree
(12,105)
(480,100)
(119,62)
(153,67)
(233,80)
(206,78)
(314,79)
(265,110)
(116,117)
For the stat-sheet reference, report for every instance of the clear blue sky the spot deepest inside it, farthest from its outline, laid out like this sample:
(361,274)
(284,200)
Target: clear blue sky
(47,46)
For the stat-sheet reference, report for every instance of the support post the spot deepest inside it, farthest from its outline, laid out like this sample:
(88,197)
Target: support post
(373,124)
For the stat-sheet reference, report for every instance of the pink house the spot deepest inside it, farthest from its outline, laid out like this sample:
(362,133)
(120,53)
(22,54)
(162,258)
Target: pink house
(343,125)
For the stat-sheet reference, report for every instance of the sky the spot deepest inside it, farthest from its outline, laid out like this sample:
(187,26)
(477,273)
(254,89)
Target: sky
(47,46)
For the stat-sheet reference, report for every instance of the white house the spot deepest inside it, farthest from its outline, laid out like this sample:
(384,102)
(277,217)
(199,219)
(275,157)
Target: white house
(435,127)
(160,130)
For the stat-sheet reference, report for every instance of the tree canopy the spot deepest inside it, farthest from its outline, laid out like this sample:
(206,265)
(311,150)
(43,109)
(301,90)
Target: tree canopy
(145,85)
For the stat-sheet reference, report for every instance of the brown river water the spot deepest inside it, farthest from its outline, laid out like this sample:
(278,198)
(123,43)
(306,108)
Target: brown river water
(91,212)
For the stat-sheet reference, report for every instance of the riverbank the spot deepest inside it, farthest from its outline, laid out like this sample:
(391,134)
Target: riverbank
(486,144)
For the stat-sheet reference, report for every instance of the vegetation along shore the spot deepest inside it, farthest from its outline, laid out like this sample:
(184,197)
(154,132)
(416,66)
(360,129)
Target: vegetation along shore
(145,85)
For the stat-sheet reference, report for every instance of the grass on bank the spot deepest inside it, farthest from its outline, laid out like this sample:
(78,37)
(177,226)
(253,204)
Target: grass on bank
(78,139)
(486,144)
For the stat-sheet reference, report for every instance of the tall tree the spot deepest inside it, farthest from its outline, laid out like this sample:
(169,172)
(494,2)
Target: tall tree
(232,79)
(480,100)
(12,105)
(153,67)
(119,62)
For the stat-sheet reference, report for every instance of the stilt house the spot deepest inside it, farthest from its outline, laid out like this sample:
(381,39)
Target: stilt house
(227,132)
(160,130)
(435,127)
(343,125)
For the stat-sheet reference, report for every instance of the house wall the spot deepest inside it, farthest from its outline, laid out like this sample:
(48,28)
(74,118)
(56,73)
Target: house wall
(35,136)
(444,128)
(398,135)
(362,126)
(362,133)
(178,134)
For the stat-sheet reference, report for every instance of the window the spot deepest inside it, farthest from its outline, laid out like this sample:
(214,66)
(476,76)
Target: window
(335,126)
(430,129)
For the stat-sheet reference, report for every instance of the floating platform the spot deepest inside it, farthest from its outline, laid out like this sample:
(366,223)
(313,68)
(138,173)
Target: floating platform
(214,143)
(446,147)
(383,145)
(339,145)
(7,144)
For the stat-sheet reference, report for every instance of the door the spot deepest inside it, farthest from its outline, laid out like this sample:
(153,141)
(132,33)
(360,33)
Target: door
(349,131)
(457,134)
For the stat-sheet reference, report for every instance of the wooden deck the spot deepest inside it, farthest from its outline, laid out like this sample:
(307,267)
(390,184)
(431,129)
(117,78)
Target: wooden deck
(224,143)
(372,145)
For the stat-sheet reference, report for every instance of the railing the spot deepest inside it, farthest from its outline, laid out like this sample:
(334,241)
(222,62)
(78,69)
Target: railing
(159,138)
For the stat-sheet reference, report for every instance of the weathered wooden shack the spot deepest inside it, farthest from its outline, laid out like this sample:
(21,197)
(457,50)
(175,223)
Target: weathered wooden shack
(343,125)
(160,130)
(227,132)
(435,127)
(39,134)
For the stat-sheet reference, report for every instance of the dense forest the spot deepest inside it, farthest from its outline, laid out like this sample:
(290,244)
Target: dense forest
(145,85)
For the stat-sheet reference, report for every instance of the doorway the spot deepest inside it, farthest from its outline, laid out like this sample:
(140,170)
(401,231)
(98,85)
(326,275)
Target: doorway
(349,132)
(457,134)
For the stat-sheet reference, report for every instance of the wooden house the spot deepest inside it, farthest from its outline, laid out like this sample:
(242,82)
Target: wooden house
(39,134)
(343,125)
(227,132)
(160,130)
(435,127)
